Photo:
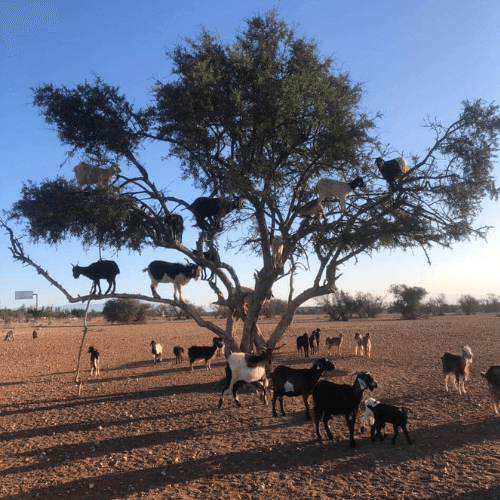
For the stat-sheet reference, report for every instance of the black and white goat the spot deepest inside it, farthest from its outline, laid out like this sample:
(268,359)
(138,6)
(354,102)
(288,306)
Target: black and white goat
(178,352)
(389,414)
(340,399)
(392,170)
(209,212)
(492,376)
(334,341)
(94,362)
(245,368)
(156,349)
(457,366)
(303,345)
(368,417)
(206,353)
(331,188)
(167,272)
(293,382)
(100,270)
(221,343)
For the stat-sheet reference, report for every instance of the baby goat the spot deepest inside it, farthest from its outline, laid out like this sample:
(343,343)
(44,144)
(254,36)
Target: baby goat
(94,362)
(368,416)
(207,353)
(156,349)
(178,352)
(457,366)
(385,413)
(334,341)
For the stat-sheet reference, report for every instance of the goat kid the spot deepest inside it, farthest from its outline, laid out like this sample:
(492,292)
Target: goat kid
(156,349)
(384,413)
(94,362)
(457,366)
(178,352)
(368,417)
(206,353)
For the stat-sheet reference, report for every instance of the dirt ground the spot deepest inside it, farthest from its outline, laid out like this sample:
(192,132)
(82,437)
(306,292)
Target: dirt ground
(152,432)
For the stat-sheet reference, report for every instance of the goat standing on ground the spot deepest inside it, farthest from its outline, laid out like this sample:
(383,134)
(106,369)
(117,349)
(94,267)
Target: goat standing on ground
(317,334)
(303,345)
(156,349)
(457,366)
(359,344)
(369,417)
(367,345)
(332,341)
(207,353)
(100,270)
(492,376)
(293,382)
(94,362)
(178,352)
(340,399)
(389,414)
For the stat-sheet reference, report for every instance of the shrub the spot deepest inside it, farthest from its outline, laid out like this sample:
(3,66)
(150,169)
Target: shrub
(125,311)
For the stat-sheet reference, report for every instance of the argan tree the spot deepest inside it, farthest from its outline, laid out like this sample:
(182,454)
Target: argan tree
(261,118)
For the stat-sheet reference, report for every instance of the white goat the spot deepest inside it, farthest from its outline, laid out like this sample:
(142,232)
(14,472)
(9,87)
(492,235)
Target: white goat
(277,251)
(89,175)
(457,366)
(330,188)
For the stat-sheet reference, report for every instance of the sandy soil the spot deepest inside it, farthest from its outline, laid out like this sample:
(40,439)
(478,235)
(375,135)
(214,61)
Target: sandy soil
(152,432)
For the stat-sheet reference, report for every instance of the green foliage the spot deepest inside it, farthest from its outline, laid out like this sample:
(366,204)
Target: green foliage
(469,304)
(340,306)
(408,301)
(125,311)
(368,305)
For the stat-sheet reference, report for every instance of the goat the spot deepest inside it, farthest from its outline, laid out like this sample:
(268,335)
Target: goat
(332,341)
(317,334)
(34,334)
(209,212)
(312,342)
(368,416)
(211,255)
(297,382)
(330,188)
(367,345)
(166,272)
(277,246)
(207,353)
(221,345)
(94,362)
(384,413)
(9,335)
(492,376)
(100,270)
(156,349)
(89,175)
(359,344)
(303,345)
(178,352)
(244,368)
(311,209)
(340,399)
(391,170)
(175,227)
(457,366)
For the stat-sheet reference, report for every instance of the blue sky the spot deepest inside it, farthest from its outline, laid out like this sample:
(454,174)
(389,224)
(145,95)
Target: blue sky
(415,60)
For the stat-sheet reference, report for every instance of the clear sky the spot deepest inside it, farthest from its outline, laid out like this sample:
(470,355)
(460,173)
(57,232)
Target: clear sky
(415,60)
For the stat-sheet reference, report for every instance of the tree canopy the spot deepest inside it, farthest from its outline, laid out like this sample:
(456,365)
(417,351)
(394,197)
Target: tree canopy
(262,118)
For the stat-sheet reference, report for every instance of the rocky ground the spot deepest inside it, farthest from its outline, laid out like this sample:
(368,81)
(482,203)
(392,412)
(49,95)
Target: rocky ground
(153,432)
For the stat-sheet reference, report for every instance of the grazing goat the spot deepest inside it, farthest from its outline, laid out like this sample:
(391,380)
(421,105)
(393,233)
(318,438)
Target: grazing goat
(100,270)
(209,212)
(330,188)
(178,352)
(492,376)
(156,349)
(9,335)
(457,366)
(334,341)
(391,170)
(303,345)
(340,399)
(207,353)
(35,334)
(94,362)
(166,272)
(89,175)
(244,368)
(297,382)
(175,227)
(368,416)
(384,413)
(277,247)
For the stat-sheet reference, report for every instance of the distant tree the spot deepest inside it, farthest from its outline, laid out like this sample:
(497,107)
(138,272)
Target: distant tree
(492,304)
(368,305)
(469,304)
(125,311)
(274,307)
(438,305)
(408,301)
(339,306)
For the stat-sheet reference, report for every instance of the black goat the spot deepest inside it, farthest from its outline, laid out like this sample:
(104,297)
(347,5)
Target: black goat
(297,382)
(391,170)
(317,334)
(207,353)
(209,212)
(303,345)
(220,341)
(384,413)
(178,352)
(94,362)
(312,343)
(213,256)
(175,226)
(100,270)
(340,399)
